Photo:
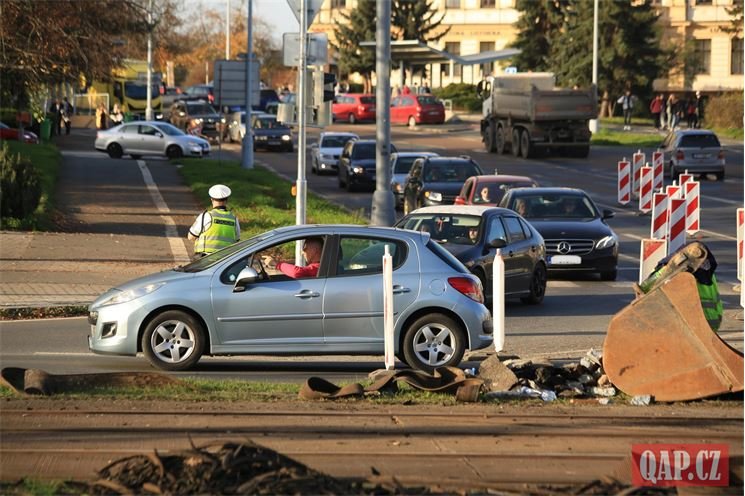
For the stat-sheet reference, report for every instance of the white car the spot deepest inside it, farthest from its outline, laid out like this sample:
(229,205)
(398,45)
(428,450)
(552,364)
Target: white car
(325,153)
(150,138)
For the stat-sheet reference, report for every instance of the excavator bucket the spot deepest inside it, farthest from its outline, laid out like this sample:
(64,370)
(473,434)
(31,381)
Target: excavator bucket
(661,345)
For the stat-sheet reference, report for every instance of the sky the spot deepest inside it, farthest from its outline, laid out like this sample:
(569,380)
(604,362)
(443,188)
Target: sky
(275,13)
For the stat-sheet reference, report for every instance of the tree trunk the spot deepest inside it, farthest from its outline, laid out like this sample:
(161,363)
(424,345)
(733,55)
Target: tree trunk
(605,109)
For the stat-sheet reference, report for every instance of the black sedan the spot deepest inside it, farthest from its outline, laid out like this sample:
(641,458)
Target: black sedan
(437,181)
(474,233)
(577,237)
(270,134)
(357,166)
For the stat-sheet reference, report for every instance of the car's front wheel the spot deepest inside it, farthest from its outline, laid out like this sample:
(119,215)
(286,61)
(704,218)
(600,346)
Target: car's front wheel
(537,286)
(174,151)
(173,340)
(434,340)
(115,150)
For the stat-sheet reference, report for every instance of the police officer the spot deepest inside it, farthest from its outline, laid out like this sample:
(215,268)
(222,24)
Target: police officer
(215,228)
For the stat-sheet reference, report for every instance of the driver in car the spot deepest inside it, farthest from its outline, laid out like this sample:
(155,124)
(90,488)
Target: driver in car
(312,249)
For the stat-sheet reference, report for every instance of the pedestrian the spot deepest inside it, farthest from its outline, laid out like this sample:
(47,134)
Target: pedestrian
(425,88)
(670,111)
(102,117)
(699,109)
(680,111)
(216,227)
(655,108)
(691,113)
(66,115)
(312,250)
(117,117)
(55,109)
(627,104)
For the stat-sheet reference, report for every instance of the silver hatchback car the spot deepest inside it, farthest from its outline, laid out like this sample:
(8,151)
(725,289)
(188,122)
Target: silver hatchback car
(696,150)
(150,138)
(232,303)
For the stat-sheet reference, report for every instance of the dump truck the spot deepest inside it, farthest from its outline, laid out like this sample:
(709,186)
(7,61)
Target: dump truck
(526,114)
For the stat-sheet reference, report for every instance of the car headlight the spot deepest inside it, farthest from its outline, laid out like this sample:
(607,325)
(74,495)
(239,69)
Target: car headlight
(196,121)
(131,294)
(358,170)
(606,242)
(158,117)
(433,195)
(286,137)
(222,120)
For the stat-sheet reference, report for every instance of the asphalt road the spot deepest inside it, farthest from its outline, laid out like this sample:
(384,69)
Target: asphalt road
(104,195)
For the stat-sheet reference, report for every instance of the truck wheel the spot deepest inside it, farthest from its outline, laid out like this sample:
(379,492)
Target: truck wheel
(500,144)
(515,142)
(525,148)
(582,151)
(489,143)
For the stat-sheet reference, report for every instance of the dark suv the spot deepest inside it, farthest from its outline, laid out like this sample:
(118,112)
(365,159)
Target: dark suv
(184,112)
(437,181)
(357,164)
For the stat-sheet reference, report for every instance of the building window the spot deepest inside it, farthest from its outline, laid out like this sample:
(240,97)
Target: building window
(338,4)
(702,2)
(736,66)
(452,4)
(452,47)
(703,56)
(488,67)
(486,4)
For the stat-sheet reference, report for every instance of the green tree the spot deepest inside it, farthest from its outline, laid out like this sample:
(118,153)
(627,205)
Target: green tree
(736,13)
(350,30)
(539,24)
(416,20)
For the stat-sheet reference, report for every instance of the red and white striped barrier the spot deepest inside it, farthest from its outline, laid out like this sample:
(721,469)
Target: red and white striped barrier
(677,224)
(674,191)
(684,178)
(645,189)
(693,212)
(637,161)
(624,181)
(658,165)
(660,216)
(740,247)
(652,251)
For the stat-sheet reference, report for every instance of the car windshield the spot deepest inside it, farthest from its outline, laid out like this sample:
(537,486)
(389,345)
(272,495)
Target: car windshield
(427,100)
(139,90)
(450,172)
(216,257)
(550,205)
(492,193)
(699,141)
(335,141)
(363,151)
(457,229)
(403,165)
(200,108)
(169,129)
(367,99)
(268,123)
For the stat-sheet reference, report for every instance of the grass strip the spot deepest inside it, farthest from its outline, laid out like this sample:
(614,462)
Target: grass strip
(24,313)
(606,137)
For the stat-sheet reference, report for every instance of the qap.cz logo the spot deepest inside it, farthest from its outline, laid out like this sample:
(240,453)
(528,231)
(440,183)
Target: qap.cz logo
(680,464)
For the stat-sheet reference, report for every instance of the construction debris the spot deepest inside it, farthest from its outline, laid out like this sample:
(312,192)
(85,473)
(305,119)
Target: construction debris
(39,382)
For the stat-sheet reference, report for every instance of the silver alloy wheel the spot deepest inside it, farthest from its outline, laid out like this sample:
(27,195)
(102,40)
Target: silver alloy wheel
(432,341)
(170,338)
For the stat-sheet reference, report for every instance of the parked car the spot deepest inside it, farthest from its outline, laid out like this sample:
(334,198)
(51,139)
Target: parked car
(696,150)
(400,166)
(150,138)
(325,153)
(270,134)
(204,92)
(353,107)
(575,232)
(188,113)
(237,124)
(13,134)
(229,303)
(437,181)
(357,166)
(489,189)
(474,233)
(417,109)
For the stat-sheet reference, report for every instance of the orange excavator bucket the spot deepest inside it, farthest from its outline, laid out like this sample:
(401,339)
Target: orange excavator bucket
(661,345)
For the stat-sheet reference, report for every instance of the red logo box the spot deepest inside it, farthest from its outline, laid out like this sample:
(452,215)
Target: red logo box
(680,464)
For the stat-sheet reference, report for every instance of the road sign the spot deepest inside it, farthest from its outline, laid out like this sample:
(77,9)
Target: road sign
(317,49)
(312,6)
(230,82)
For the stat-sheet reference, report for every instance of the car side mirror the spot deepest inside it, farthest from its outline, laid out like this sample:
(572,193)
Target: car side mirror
(608,214)
(159,135)
(246,276)
(498,243)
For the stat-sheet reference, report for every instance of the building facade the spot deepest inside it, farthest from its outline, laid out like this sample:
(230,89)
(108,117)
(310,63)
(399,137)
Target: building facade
(482,25)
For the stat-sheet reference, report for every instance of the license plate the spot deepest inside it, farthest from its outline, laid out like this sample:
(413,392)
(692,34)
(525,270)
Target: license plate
(565,260)
(701,155)
(273,142)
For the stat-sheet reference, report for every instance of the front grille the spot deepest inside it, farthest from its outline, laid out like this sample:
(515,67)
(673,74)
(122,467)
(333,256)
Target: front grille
(576,246)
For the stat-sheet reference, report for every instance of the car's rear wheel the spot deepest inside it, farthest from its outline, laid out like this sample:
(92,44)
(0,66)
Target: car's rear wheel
(526,150)
(173,340)
(174,151)
(609,275)
(434,340)
(352,119)
(537,286)
(115,150)
(500,141)
(515,142)
(412,121)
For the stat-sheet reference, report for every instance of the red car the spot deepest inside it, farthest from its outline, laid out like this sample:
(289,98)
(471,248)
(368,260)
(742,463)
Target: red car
(417,109)
(354,107)
(489,190)
(10,133)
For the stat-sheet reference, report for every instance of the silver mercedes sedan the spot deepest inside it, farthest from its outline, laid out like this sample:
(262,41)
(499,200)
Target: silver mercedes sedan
(239,301)
(140,138)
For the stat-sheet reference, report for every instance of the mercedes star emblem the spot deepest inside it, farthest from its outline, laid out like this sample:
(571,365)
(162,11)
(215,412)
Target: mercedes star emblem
(564,247)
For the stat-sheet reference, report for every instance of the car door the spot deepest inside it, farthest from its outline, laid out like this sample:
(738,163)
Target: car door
(151,139)
(396,110)
(353,300)
(280,314)
(517,254)
(495,230)
(128,137)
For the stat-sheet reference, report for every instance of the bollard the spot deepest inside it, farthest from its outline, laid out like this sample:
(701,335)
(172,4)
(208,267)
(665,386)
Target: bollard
(645,189)
(498,301)
(658,166)
(660,216)
(624,182)
(693,212)
(652,251)
(674,191)
(637,161)
(677,236)
(740,243)
(390,357)
(684,178)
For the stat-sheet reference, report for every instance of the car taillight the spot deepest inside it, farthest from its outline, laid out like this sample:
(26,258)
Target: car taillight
(721,155)
(679,155)
(361,108)
(468,287)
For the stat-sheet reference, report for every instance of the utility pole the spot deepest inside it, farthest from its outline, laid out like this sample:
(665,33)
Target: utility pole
(149,105)
(227,31)
(594,122)
(383,213)
(247,155)
(301,185)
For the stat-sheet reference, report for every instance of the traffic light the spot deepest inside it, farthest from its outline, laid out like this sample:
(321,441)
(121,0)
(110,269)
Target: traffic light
(323,87)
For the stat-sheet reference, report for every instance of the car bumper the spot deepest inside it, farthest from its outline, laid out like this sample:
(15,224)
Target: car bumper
(700,168)
(430,119)
(479,324)
(113,329)
(328,165)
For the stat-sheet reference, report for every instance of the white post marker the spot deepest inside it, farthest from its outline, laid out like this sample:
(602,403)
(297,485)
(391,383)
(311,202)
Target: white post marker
(693,212)
(645,189)
(658,168)
(740,240)
(677,224)
(390,356)
(498,301)
(660,216)
(624,181)
(652,251)
(637,161)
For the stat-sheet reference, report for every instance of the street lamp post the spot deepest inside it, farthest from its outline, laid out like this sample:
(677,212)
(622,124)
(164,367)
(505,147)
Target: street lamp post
(149,105)
(227,32)
(594,122)
(247,153)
